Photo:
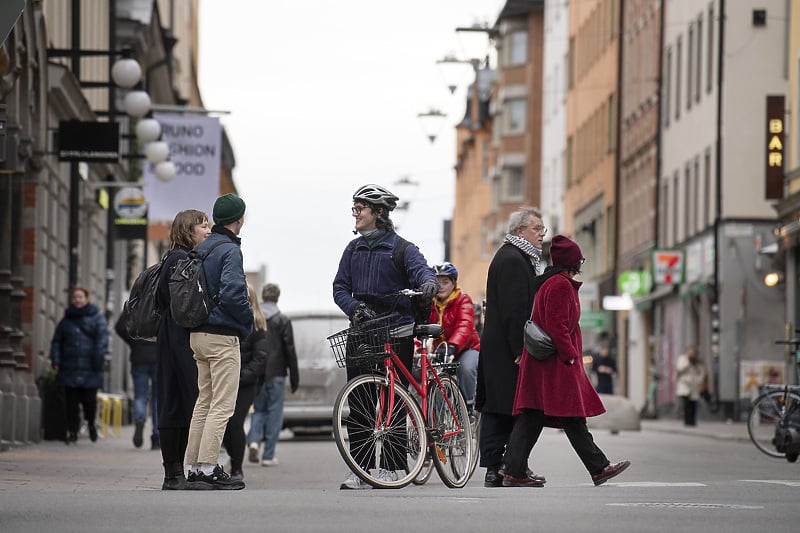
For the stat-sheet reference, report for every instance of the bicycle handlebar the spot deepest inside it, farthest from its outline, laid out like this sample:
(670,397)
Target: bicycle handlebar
(410,292)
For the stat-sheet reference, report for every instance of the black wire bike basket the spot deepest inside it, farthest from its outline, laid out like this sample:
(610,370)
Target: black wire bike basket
(364,345)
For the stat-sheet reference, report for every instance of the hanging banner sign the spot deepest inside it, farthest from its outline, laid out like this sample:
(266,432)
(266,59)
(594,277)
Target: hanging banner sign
(195,144)
(775,127)
(668,267)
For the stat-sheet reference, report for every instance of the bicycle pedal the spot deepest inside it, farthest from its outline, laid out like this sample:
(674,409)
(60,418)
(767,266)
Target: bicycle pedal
(440,453)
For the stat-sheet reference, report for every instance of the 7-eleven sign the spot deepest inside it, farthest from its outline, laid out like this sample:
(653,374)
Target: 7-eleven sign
(668,267)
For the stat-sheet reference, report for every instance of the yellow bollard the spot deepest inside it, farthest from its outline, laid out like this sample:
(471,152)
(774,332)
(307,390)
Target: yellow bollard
(110,410)
(117,416)
(105,413)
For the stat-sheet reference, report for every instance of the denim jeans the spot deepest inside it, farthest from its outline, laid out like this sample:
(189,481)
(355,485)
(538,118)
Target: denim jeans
(266,421)
(468,375)
(144,386)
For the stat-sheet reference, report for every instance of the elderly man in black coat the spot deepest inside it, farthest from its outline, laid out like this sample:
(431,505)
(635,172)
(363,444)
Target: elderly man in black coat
(509,297)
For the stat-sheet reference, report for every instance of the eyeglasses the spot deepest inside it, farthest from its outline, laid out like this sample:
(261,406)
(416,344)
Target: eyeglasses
(356,209)
(583,260)
(541,230)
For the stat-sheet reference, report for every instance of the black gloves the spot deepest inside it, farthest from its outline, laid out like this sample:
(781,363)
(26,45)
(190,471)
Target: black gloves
(294,386)
(362,314)
(429,290)
(446,349)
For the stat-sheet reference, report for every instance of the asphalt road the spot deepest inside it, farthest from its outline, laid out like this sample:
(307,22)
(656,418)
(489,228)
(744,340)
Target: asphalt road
(710,479)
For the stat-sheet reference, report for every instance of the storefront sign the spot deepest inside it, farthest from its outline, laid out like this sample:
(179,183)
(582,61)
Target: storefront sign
(92,142)
(634,282)
(775,127)
(668,267)
(130,213)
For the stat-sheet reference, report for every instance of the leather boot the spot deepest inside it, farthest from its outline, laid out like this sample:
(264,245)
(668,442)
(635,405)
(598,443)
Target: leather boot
(174,477)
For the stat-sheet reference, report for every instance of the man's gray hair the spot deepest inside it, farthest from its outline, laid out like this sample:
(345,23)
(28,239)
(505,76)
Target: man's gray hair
(521,217)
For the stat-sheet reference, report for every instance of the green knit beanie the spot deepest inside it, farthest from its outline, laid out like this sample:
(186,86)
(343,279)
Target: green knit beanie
(228,209)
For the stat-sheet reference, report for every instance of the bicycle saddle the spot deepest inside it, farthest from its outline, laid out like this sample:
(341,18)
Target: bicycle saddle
(427,330)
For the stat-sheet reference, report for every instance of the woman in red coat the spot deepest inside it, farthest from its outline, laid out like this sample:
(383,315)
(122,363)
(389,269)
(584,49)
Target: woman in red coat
(557,391)
(454,310)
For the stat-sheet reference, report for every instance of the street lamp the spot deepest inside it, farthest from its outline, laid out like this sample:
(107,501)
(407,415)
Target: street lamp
(148,130)
(449,66)
(126,73)
(432,121)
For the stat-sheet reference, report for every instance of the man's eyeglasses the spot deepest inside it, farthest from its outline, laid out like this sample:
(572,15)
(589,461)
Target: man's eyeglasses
(541,230)
(356,209)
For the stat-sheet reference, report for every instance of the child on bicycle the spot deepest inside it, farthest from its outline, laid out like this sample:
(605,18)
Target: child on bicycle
(454,310)
(367,281)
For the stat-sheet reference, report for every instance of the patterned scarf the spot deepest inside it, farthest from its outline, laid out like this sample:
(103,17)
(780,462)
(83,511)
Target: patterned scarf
(529,249)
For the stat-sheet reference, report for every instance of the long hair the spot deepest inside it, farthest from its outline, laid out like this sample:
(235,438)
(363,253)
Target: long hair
(180,234)
(259,321)
(382,220)
(521,218)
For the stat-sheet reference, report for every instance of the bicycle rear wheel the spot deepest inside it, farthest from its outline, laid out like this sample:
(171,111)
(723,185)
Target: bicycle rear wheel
(476,438)
(372,437)
(768,411)
(449,426)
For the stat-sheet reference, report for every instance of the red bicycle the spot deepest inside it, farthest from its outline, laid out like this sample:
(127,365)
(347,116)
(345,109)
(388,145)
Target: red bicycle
(382,433)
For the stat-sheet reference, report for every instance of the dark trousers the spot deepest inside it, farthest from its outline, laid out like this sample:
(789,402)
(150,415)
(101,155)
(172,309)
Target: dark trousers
(173,444)
(75,397)
(362,419)
(689,411)
(527,428)
(495,433)
(234,439)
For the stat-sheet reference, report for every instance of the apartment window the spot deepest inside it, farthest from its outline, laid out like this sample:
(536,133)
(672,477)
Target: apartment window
(518,49)
(484,159)
(612,122)
(690,67)
(568,162)
(675,207)
(667,85)
(710,49)
(699,67)
(571,63)
(513,185)
(663,237)
(687,200)
(678,53)
(514,111)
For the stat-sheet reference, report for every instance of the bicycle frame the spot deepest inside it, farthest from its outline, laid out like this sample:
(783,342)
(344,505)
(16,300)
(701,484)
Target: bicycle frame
(392,363)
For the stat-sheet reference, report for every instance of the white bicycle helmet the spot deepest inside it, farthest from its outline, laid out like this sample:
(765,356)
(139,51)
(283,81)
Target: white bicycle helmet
(376,195)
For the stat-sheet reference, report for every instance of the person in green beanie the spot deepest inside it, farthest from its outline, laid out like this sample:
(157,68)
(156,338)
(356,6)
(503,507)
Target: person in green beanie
(216,346)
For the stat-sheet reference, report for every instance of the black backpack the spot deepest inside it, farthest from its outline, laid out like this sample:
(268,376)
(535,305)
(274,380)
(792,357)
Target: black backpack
(139,314)
(189,300)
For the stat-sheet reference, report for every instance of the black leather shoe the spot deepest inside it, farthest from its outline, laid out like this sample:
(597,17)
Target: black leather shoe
(610,471)
(528,472)
(527,481)
(493,478)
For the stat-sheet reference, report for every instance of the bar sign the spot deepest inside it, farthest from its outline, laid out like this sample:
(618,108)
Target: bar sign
(774,159)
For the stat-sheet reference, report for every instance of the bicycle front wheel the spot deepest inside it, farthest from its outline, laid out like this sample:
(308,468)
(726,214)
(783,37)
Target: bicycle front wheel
(769,411)
(379,431)
(449,425)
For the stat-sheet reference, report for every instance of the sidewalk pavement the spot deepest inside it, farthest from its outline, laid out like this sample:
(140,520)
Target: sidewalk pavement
(113,464)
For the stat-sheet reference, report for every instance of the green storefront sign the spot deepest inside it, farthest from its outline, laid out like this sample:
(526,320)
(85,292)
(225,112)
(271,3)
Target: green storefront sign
(635,282)
(594,320)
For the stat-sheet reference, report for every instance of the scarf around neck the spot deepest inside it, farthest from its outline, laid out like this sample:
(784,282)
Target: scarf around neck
(529,249)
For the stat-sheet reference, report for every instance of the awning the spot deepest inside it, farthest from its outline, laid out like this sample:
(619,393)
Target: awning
(646,301)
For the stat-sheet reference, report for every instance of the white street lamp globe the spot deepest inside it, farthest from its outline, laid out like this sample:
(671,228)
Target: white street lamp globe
(148,130)
(165,170)
(156,151)
(137,103)
(126,72)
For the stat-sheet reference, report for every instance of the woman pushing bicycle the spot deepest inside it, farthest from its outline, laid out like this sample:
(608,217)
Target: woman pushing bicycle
(454,311)
(373,268)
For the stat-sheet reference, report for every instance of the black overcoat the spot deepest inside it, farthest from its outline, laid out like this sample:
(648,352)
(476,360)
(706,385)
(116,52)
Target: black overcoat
(509,297)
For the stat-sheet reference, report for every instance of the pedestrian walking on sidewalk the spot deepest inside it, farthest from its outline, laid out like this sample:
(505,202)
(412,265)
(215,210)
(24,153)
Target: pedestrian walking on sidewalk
(143,373)
(77,353)
(556,391)
(216,346)
(254,361)
(690,383)
(267,419)
(176,371)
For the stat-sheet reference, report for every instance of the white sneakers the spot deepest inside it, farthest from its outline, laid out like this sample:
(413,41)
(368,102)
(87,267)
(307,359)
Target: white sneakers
(270,462)
(353,482)
(387,476)
(253,452)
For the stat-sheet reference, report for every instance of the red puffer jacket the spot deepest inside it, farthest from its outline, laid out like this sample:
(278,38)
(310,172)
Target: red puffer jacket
(458,322)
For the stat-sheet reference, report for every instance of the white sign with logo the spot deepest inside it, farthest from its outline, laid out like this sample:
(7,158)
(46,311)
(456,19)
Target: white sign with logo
(195,143)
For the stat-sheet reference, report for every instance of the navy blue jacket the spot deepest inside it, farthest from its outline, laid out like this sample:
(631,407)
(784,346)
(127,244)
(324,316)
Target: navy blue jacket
(225,281)
(79,347)
(368,274)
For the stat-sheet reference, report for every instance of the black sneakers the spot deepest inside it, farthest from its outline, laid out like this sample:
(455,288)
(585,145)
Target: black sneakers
(217,480)
(138,440)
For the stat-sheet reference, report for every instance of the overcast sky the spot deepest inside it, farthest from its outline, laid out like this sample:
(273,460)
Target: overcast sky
(324,97)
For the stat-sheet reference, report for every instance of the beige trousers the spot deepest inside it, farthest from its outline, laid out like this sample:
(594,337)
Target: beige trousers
(218,366)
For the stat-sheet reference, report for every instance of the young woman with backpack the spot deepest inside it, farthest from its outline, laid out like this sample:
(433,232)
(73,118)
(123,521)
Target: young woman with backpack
(176,370)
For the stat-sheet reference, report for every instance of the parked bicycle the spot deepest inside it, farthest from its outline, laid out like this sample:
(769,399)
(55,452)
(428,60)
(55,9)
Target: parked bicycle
(774,419)
(391,431)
